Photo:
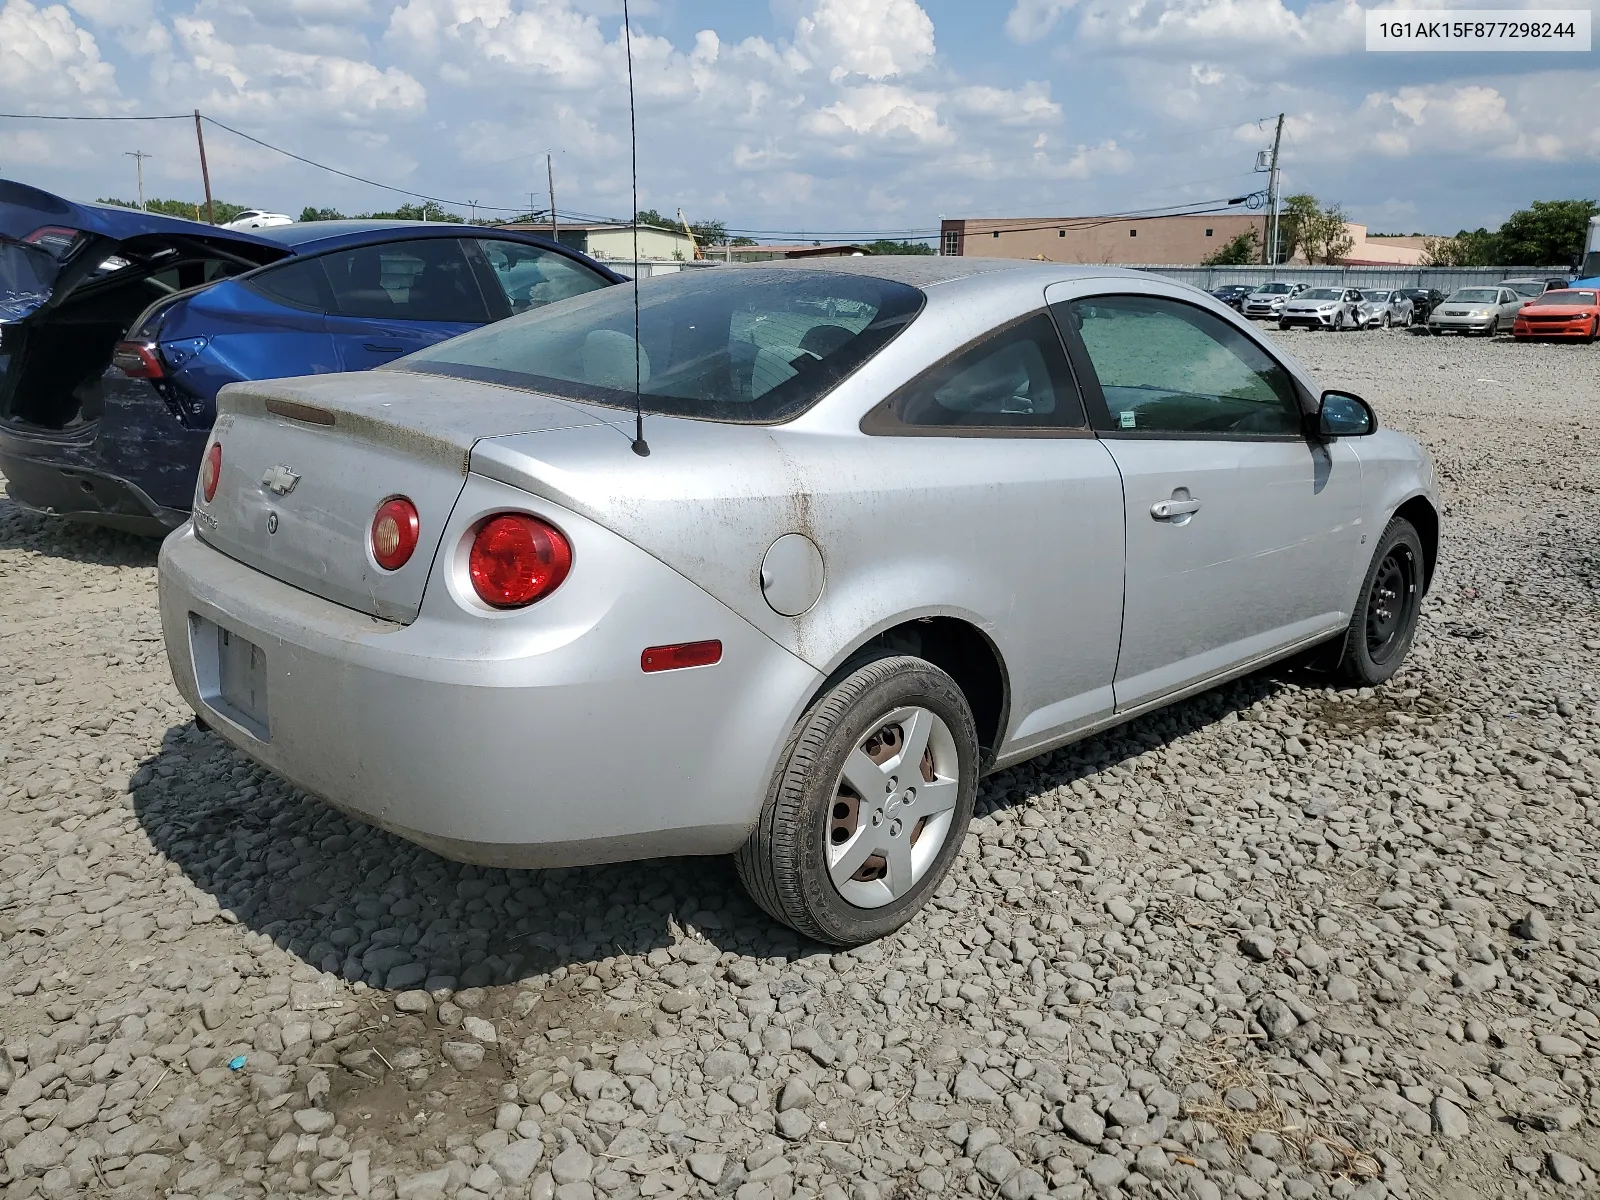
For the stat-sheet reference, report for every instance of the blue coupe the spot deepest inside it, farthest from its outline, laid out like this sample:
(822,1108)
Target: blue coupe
(118,327)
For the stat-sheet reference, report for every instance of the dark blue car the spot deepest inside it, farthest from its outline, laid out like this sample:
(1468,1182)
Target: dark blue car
(118,327)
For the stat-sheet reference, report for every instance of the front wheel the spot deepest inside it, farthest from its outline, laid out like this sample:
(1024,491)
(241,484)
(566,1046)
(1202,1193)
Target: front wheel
(1283,325)
(1384,623)
(1388,320)
(868,806)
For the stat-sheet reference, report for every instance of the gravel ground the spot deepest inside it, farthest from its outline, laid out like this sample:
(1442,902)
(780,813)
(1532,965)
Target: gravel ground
(1278,940)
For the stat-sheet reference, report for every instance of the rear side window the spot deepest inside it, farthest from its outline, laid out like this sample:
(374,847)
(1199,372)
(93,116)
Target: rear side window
(299,283)
(745,344)
(532,277)
(1014,378)
(428,279)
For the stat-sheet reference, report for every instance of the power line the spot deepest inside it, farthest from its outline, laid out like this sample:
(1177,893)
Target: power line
(55,117)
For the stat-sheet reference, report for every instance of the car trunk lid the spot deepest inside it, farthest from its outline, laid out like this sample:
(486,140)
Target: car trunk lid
(73,277)
(307,462)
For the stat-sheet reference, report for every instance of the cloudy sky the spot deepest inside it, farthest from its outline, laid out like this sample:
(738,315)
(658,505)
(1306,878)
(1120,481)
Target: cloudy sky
(822,116)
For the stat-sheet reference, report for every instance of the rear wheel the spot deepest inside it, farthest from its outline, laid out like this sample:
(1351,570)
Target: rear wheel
(868,806)
(1384,623)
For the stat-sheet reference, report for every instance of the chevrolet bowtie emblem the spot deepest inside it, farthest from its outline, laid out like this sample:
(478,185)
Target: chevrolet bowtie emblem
(279,480)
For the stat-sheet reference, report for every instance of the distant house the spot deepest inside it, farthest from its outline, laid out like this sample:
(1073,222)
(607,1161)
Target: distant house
(614,243)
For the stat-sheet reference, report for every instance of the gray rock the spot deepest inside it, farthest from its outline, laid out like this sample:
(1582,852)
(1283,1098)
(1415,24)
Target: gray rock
(1533,926)
(1083,1123)
(515,1163)
(463,1056)
(725,1064)
(572,1165)
(794,1124)
(1564,1168)
(1448,1120)
(796,1094)
(708,1166)
(314,1120)
(996,1163)
(1105,1171)
(1258,944)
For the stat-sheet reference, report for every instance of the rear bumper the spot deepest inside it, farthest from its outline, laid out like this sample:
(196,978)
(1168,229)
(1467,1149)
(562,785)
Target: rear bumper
(530,739)
(64,478)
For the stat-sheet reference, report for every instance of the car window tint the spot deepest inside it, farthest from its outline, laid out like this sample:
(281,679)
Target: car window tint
(1168,367)
(425,280)
(1016,377)
(531,276)
(299,283)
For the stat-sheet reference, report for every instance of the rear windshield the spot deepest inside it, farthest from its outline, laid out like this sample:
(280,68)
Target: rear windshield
(1566,298)
(1526,287)
(719,343)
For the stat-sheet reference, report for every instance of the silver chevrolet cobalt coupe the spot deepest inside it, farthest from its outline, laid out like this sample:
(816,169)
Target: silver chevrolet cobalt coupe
(901,522)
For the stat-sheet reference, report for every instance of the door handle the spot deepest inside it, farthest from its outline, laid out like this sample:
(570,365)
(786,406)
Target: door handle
(377,349)
(1166,510)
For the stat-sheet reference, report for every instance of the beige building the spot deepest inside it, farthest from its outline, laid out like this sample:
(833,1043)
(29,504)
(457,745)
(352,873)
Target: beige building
(1166,241)
(614,243)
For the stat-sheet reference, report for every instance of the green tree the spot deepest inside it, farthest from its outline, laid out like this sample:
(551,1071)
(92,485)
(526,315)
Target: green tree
(1548,233)
(428,211)
(1240,252)
(320,214)
(1327,237)
(889,246)
(1469,248)
(190,210)
(1299,214)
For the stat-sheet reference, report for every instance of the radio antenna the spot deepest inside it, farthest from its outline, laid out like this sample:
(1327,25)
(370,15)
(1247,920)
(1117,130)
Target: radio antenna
(640,446)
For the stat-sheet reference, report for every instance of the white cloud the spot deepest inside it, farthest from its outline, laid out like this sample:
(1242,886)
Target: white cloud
(261,79)
(44,55)
(1031,20)
(1220,27)
(875,38)
(880,110)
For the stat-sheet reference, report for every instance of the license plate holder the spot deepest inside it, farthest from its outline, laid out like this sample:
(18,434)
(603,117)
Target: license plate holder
(232,673)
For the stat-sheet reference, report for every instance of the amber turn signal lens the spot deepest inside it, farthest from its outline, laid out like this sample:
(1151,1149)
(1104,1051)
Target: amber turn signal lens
(395,527)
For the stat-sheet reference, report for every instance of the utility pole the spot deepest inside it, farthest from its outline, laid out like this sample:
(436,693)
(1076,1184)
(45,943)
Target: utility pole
(205,174)
(138,157)
(550,178)
(1270,250)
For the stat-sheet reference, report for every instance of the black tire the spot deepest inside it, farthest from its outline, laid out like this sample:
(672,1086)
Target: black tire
(783,864)
(1283,325)
(1376,644)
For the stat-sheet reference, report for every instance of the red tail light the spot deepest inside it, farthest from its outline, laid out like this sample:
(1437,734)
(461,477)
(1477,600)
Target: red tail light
(211,471)
(517,559)
(395,528)
(138,360)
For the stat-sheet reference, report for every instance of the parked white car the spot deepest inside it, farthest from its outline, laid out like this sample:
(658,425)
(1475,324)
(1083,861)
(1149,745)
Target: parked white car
(1323,308)
(1384,308)
(254,218)
(1268,300)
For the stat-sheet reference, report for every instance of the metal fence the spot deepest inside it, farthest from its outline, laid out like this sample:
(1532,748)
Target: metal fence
(1446,279)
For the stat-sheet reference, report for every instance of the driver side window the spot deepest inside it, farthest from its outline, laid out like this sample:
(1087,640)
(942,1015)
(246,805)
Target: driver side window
(1166,367)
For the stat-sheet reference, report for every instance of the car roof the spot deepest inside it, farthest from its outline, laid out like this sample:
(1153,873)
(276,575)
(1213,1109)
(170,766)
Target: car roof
(927,270)
(305,236)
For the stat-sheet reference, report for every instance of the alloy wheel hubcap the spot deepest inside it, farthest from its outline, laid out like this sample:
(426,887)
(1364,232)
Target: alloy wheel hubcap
(893,804)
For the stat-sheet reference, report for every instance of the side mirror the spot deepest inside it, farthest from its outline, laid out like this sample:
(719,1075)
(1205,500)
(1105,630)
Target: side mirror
(1341,414)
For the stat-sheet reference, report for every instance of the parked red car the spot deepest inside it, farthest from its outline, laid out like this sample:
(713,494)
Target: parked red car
(1567,313)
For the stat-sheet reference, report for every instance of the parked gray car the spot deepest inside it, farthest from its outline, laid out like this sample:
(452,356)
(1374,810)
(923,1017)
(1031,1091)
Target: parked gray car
(901,522)
(1480,310)
(1380,309)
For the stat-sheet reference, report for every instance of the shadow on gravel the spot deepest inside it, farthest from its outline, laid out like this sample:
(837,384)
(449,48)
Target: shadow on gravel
(55,538)
(350,899)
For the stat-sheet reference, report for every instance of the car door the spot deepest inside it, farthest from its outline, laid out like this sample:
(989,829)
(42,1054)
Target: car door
(1511,302)
(998,430)
(1241,534)
(392,298)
